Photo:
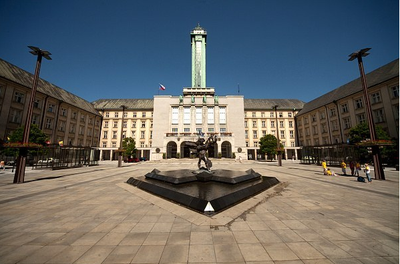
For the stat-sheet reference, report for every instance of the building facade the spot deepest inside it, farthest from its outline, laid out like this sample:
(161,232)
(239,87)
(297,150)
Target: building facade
(64,117)
(161,126)
(327,120)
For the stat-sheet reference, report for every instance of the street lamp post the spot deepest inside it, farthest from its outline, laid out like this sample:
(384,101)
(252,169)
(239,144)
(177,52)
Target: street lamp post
(278,142)
(21,160)
(378,169)
(120,150)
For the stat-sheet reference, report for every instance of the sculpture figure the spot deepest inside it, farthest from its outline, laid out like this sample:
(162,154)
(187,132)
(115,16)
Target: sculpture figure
(200,147)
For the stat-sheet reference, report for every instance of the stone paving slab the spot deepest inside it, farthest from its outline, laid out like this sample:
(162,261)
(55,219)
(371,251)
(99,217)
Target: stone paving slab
(90,215)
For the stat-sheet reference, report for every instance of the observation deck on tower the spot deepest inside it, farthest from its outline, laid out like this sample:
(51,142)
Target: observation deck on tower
(198,91)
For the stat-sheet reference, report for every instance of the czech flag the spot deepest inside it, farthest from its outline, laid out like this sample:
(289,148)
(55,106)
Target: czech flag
(162,87)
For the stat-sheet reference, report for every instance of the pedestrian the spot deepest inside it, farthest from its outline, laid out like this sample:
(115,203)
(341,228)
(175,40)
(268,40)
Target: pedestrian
(324,167)
(2,165)
(343,165)
(367,171)
(330,173)
(352,168)
(358,168)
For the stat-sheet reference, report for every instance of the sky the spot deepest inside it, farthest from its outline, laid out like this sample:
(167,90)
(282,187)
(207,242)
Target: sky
(270,49)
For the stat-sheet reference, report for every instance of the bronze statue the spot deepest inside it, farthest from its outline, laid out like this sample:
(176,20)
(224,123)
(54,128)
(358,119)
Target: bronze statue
(200,147)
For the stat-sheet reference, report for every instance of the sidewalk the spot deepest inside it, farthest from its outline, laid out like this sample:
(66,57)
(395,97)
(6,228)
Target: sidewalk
(90,215)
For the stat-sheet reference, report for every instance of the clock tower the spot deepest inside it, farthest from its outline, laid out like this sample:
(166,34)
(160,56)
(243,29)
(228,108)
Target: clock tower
(198,40)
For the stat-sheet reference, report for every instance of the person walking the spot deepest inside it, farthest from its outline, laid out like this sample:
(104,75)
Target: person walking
(343,165)
(324,167)
(358,168)
(352,168)
(367,171)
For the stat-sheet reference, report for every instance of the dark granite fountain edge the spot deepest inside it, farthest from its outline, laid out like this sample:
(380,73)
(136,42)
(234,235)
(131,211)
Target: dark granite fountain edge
(197,204)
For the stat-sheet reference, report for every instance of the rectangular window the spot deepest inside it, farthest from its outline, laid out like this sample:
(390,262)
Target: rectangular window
(222,115)
(280,114)
(116,114)
(282,133)
(222,130)
(133,124)
(72,129)
(36,103)
(358,103)
(62,126)
(210,115)
(104,144)
(125,125)
(263,123)
(16,116)
(35,119)
(175,115)
(134,114)
(254,123)
(395,91)
(143,114)
(49,122)
(245,123)
(114,134)
(346,123)
(246,134)
(51,108)
(143,124)
(199,115)
(186,115)
(360,118)
(210,130)
(281,124)
(332,112)
(291,133)
(142,134)
(115,124)
(376,97)
(19,97)
(174,130)
(264,133)
(272,124)
(107,114)
(114,144)
(379,116)
(314,118)
(254,134)
(186,130)
(289,114)
(105,124)
(253,114)
(345,108)
(125,114)
(271,114)
(290,124)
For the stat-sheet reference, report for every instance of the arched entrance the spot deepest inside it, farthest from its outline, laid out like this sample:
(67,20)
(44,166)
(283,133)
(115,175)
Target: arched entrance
(226,149)
(185,150)
(171,150)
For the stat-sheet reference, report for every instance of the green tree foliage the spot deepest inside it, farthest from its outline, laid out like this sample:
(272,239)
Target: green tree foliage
(268,145)
(361,132)
(35,135)
(129,146)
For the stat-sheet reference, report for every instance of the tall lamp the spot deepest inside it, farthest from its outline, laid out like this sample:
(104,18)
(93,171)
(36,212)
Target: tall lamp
(120,150)
(278,142)
(378,169)
(19,175)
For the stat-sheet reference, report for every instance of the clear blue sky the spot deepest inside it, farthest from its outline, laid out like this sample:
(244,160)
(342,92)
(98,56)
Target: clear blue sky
(271,48)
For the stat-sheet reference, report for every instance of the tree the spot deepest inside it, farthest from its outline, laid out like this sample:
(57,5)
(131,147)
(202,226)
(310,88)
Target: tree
(361,132)
(129,146)
(35,135)
(268,145)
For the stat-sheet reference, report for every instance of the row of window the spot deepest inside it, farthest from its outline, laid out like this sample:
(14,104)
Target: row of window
(133,134)
(264,133)
(255,144)
(198,115)
(134,114)
(358,104)
(114,144)
(51,108)
(271,114)
(272,123)
(125,125)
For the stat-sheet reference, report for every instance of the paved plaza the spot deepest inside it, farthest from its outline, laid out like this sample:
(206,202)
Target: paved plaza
(90,215)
